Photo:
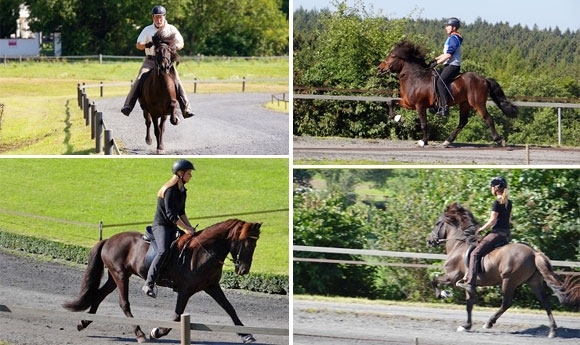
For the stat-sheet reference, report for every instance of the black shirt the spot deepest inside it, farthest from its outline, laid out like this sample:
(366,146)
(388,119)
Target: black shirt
(171,206)
(504,211)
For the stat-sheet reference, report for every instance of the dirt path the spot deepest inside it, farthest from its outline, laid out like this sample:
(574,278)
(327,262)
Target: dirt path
(331,323)
(27,283)
(406,152)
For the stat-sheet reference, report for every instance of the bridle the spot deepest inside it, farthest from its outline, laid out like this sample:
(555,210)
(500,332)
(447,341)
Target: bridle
(236,261)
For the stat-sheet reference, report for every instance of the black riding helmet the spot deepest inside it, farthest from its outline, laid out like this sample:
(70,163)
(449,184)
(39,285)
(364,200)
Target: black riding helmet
(453,22)
(158,10)
(182,165)
(499,182)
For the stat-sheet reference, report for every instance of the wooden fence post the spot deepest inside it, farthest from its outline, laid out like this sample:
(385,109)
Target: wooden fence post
(195,85)
(243,84)
(98,132)
(185,329)
(108,142)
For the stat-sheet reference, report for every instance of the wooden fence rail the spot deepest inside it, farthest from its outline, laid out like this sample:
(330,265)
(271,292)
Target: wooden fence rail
(185,325)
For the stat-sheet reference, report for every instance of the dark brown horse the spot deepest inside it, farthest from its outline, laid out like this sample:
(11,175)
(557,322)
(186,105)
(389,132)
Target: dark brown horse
(508,266)
(159,93)
(200,269)
(417,91)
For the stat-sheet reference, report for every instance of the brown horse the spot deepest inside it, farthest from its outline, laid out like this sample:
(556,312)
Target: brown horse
(509,266)
(469,90)
(198,269)
(159,93)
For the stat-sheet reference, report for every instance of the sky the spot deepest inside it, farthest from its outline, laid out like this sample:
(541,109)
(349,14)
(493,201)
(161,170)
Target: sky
(565,14)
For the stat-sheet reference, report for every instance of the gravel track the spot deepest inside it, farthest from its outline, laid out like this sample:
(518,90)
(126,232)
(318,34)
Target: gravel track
(407,152)
(28,283)
(224,124)
(333,323)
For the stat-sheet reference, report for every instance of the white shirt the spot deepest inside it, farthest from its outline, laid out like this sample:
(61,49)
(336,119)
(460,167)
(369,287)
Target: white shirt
(147,33)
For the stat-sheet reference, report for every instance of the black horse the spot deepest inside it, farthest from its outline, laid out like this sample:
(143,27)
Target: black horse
(125,254)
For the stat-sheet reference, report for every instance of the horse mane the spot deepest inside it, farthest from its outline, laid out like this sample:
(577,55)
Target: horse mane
(410,52)
(462,218)
(159,38)
(237,230)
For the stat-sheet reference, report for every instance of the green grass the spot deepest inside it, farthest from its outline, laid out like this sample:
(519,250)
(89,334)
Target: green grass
(40,107)
(85,191)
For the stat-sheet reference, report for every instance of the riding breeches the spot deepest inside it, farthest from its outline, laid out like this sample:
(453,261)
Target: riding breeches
(447,73)
(487,244)
(133,93)
(164,236)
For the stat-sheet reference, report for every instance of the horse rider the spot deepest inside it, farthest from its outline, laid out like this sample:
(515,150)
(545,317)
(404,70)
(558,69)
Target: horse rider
(451,60)
(499,221)
(144,42)
(169,217)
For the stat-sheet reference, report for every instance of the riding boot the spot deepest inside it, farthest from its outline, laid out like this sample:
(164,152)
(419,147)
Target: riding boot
(132,97)
(183,102)
(443,109)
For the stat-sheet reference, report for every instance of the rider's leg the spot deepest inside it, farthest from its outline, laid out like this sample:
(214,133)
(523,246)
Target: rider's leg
(163,237)
(485,246)
(448,73)
(182,97)
(134,93)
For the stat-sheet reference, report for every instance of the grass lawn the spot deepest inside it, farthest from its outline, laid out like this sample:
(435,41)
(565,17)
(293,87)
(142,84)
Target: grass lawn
(64,199)
(40,108)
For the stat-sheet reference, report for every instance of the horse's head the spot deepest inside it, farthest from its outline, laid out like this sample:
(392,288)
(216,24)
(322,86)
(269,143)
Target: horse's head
(243,243)
(392,64)
(403,52)
(165,51)
(457,222)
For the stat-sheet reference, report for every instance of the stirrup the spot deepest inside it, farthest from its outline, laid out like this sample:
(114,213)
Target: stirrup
(150,291)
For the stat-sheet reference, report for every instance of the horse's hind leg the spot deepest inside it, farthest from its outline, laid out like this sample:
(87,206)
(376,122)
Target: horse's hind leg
(463,119)
(507,291)
(488,119)
(122,281)
(537,286)
(103,292)
(147,117)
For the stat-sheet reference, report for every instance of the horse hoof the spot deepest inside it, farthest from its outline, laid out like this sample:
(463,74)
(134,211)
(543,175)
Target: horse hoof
(160,152)
(462,329)
(174,122)
(446,144)
(153,334)
(148,141)
(487,325)
(141,339)
(420,143)
(552,334)
(248,338)
(397,118)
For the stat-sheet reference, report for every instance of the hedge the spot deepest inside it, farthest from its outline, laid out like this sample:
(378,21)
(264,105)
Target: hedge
(259,282)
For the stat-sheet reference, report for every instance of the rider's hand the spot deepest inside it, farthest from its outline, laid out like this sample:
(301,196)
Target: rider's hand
(148,44)
(433,64)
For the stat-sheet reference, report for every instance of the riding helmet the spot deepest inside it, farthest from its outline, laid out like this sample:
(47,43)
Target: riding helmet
(158,10)
(499,182)
(182,165)
(453,22)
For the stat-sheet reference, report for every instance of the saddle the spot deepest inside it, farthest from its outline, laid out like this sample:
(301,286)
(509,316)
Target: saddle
(479,264)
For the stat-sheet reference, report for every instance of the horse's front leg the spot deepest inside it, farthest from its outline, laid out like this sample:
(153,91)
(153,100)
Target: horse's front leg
(218,295)
(147,117)
(441,280)
(172,107)
(159,130)
(469,300)
(422,112)
(182,299)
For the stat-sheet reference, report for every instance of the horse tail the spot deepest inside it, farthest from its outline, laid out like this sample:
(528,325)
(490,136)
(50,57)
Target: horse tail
(91,280)
(568,291)
(499,98)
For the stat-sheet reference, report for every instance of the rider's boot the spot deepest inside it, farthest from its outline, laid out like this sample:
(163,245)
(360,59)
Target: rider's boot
(184,102)
(149,289)
(131,98)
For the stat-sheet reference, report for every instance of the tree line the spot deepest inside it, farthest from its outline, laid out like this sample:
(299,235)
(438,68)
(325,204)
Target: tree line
(341,49)
(546,215)
(219,27)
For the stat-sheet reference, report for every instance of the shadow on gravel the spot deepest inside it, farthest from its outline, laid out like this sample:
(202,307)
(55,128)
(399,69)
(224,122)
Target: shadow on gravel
(542,331)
